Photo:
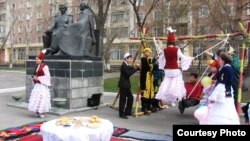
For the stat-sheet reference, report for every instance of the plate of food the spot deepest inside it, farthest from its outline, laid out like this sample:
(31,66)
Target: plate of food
(94,122)
(65,121)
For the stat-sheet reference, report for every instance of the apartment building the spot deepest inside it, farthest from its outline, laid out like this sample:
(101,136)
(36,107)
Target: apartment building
(189,17)
(3,32)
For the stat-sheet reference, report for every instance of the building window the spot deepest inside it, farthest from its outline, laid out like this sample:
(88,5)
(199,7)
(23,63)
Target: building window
(28,16)
(39,39)
(38,27)
(118,3)
(28,4)
(39,15)
(197,49)
(157,15)
(32,51)
(51,12)
(133,51)
(181,29)
(2,17)
(119,16)
(20,40)
(20,29)
(21,54)
(117,54)
(1,40)
(248,9)
(1,29)
(228,9)
(14,54)
(139,2)
(203,29)
(120,32)
(203,11)
(142,16)
(157,31)
(2,5)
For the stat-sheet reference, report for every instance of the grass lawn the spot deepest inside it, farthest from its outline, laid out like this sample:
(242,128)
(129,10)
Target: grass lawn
(111,84)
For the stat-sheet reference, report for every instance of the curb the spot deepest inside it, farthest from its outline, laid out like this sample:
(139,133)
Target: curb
(12,71)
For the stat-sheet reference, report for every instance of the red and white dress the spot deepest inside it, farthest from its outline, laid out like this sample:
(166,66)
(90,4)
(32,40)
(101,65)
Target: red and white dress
(40,95)
(172,87)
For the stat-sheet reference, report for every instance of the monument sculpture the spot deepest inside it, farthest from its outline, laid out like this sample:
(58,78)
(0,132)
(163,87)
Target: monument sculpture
(77,39)
(76,69)
(60,23)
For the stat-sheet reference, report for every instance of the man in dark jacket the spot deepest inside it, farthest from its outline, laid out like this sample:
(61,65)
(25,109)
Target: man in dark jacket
(124,85)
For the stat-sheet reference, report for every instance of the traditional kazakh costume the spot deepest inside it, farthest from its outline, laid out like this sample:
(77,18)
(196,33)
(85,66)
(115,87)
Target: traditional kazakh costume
(173,62)
(146,82)
(39,101)
(221,105)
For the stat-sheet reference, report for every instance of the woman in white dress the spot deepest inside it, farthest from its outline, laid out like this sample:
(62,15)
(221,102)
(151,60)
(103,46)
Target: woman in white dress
(221,101)
(172,87)
(39,101)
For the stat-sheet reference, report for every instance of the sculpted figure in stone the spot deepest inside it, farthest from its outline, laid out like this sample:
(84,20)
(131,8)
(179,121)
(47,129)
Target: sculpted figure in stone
(78,39)
(59,24)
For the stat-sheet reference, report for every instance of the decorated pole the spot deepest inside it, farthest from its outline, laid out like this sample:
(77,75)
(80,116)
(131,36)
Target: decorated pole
(188,37)
(242,58)
(138,93)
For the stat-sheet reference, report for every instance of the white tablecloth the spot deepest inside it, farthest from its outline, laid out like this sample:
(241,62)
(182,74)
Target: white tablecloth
(51,132)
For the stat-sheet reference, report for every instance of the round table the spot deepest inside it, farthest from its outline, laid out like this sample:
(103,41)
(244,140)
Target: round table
(52,132)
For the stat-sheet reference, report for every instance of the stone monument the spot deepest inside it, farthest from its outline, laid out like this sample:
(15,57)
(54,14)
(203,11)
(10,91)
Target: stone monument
(76,70)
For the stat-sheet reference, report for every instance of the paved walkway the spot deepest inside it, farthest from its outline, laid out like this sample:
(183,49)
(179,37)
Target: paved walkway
(160,122)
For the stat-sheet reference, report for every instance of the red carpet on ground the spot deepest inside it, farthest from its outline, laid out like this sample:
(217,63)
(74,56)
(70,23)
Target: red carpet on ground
(30,132)
(39,138)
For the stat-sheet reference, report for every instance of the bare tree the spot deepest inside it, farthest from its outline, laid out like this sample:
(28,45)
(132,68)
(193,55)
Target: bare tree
(100,13)
(136,4)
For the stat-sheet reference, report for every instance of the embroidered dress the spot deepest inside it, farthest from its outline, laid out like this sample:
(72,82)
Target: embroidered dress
(40,96)
(172,87)
(221,105)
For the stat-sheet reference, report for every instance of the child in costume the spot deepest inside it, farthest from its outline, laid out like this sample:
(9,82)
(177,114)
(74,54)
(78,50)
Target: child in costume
(207,90)
(193,95)
(158,76)
(39,101)
(146,82)
(126,96)
(172,87)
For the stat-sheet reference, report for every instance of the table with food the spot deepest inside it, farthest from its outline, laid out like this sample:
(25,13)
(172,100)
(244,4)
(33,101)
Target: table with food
(77,129)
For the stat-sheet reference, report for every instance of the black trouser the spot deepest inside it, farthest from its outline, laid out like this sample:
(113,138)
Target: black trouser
(189,102)
(125,97)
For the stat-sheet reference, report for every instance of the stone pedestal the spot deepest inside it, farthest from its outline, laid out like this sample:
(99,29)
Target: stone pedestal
(73,78)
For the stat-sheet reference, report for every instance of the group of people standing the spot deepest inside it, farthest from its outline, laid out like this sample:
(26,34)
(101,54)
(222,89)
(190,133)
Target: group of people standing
(220,96)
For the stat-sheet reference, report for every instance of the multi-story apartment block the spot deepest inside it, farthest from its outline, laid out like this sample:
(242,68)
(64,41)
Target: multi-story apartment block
(189,17)
(3,32)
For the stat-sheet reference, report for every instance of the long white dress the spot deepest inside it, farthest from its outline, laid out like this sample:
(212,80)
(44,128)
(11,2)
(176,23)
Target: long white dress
(222,110)
(172,87)
(40,95)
